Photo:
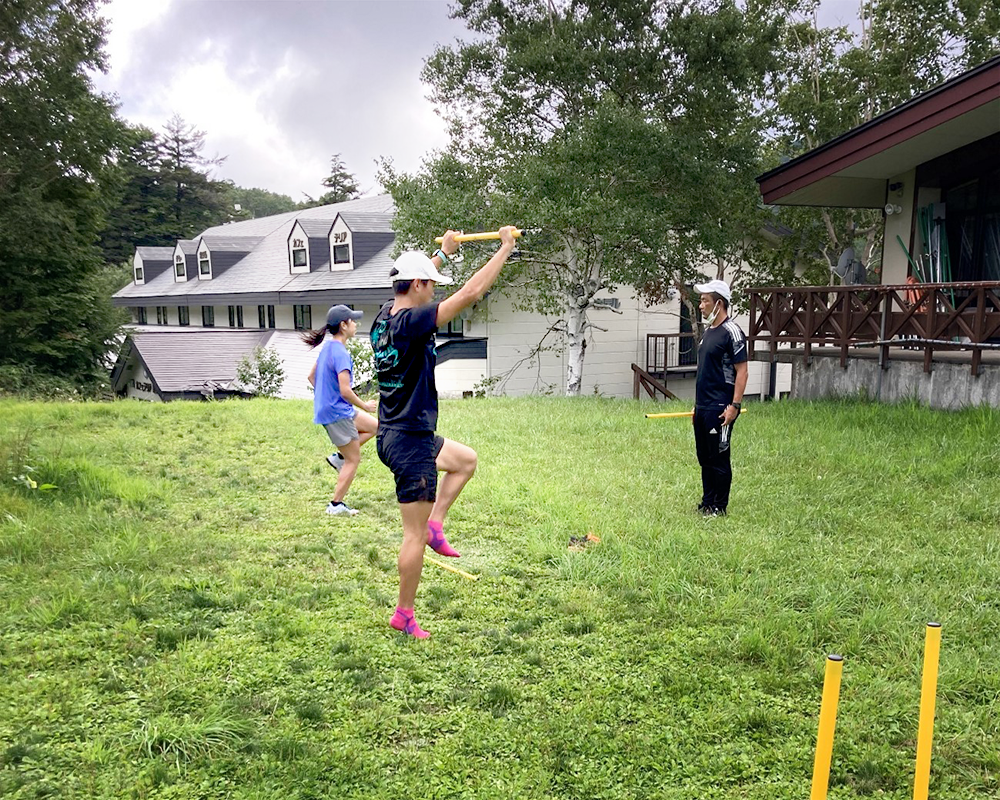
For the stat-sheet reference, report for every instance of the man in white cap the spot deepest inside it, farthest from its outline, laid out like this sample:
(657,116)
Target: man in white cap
(719,387)
(402,336)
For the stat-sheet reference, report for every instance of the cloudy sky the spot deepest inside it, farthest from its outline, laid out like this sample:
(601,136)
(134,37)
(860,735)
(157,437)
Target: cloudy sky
(279,86)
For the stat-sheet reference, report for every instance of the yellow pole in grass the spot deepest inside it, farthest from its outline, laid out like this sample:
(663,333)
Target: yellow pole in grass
(674,414)
(477,237)
(925,733)
(827,724)
(450,568)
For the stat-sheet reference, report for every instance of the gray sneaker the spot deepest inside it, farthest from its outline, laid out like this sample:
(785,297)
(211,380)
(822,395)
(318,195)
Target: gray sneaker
(340,510)
(336,461)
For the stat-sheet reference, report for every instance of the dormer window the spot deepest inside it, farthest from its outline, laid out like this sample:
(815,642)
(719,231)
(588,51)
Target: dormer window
(298,250)
(180,271)
(139,279)
(204,265)
(341,251)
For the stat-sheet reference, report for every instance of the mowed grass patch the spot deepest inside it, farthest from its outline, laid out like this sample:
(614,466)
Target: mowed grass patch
(179,617)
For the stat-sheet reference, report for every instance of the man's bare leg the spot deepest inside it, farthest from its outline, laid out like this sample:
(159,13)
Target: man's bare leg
(458,462)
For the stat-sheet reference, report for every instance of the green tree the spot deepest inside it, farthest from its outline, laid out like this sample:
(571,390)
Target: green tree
(261,372)
(342,184)
(625,132)
(140,212)
(197,200)
(834,79)
(58,140)
(255,202)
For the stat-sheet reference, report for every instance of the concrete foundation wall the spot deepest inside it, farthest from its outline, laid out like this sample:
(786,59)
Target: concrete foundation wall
(947,386)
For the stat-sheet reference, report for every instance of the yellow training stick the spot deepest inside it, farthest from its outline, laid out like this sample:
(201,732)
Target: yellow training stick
(827,725)
(925,733)
(450,568)
(477,237)
(674,414)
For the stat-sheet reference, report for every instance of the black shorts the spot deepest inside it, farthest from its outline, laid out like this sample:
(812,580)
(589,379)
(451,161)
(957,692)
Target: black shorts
(412,457)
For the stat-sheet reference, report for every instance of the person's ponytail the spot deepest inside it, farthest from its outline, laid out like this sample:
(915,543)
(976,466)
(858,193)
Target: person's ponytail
(315,338)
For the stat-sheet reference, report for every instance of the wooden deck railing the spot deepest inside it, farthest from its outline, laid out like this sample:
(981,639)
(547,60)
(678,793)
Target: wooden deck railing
(927,316)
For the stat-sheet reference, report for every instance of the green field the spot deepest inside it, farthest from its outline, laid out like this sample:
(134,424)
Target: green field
(180,619)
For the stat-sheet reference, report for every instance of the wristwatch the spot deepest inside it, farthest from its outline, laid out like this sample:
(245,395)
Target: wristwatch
(442,255)
(737,406)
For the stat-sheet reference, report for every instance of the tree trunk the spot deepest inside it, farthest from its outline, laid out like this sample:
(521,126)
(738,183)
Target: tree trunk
(576,346)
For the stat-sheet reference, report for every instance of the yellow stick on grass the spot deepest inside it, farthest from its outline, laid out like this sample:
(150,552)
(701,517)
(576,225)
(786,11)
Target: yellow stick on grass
(674,414)
(477,237)
(450,568)
(827,724)
(925,732)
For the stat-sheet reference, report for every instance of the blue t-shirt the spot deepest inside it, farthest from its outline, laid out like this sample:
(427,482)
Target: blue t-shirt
(328,404)
(405,357)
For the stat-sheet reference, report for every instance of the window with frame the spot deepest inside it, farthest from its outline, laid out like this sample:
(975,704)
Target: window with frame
(140,315)
(161,315)
(208,316)
(183,315)
(452,330)
(341,254)
(270,317)
(260,317)
(179,271)
(303,318)
(139,275)
(235,316)
(204,265)
(299,257)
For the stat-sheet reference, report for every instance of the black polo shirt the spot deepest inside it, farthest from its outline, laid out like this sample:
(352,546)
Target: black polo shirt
(721,348)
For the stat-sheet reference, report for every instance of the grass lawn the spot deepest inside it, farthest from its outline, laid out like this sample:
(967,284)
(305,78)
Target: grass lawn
(180,619)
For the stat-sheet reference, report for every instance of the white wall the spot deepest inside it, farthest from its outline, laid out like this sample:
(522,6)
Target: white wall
(894,263)
(607,366)
(457,376)
(139,386)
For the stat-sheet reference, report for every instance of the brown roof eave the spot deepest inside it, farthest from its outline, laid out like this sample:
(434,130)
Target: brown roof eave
(933,108)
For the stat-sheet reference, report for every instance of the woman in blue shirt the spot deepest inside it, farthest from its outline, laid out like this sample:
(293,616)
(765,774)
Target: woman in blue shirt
(347,418)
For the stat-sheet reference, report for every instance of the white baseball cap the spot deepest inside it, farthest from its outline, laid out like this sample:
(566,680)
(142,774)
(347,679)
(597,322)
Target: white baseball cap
(415,266)
(720,288)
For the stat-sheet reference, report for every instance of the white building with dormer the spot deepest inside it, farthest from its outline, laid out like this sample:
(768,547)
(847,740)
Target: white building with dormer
(279,274)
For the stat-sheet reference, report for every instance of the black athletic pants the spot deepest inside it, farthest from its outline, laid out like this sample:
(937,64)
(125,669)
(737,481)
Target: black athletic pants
(711,440)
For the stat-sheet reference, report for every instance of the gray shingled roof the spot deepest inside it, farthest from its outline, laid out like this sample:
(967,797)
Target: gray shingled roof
(373,274)
(264,270)
(232,244)
(380,204)
(367,223)
(316,228)
(150,254)
(181,361)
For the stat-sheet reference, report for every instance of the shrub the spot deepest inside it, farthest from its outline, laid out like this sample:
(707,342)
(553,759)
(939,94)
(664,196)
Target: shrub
(261,372)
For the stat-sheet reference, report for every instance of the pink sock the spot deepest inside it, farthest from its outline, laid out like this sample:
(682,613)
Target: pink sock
(435,538)
(403,620)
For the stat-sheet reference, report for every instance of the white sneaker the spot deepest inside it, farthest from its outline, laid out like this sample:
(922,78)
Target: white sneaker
(340,510)
(336,461)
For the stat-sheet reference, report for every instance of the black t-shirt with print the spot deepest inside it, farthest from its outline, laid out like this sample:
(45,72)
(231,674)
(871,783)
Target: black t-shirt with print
(405,357)
(721,347)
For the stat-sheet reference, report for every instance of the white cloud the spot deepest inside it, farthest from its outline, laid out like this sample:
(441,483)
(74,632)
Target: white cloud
(279,87)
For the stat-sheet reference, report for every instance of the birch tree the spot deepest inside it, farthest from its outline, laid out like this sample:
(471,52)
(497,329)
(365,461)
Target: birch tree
(623,134)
